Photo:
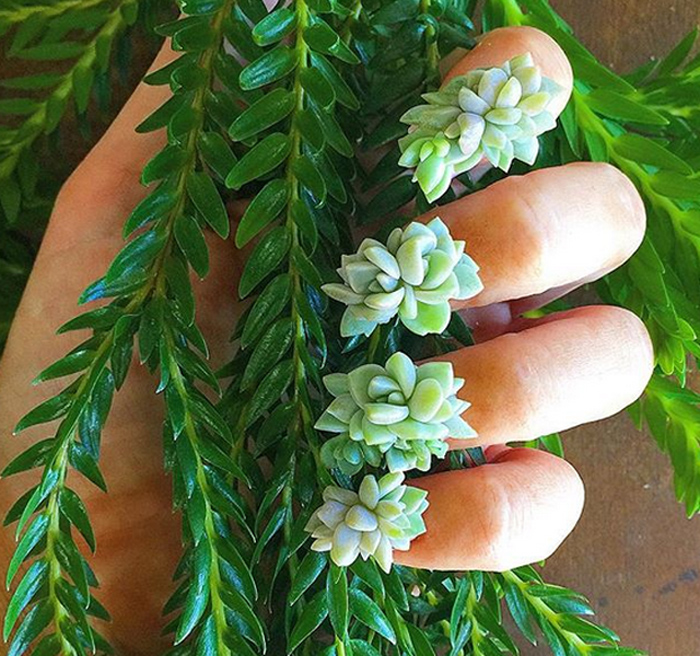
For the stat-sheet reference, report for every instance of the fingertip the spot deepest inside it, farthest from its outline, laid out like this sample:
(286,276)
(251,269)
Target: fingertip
(516,510)
(502,44)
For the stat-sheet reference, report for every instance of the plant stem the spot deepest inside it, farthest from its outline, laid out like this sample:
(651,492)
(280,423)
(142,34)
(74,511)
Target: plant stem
(218,608)
(299,343)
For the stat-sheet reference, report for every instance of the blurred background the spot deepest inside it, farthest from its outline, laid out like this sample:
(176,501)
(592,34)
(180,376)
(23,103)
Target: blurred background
(634,554)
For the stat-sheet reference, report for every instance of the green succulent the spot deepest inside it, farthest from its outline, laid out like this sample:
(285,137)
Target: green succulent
(496,113)
(415,275)
(381,516)
(400,414)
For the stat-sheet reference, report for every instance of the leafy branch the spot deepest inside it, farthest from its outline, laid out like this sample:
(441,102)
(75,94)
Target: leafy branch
(41,40)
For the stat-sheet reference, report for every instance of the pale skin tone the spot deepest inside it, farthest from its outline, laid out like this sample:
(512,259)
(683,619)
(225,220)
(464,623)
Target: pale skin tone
(535,237)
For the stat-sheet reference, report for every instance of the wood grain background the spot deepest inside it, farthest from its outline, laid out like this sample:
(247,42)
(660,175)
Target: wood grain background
(633,553)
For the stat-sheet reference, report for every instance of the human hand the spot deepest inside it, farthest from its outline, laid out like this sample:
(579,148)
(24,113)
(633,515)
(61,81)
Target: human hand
(534,237)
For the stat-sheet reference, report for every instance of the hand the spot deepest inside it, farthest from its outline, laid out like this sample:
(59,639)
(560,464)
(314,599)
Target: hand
(534,237)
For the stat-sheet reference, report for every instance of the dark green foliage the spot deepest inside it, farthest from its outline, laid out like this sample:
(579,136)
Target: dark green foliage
(279,121)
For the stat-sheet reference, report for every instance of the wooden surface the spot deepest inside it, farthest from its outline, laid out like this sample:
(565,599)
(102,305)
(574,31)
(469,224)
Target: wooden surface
(633,553)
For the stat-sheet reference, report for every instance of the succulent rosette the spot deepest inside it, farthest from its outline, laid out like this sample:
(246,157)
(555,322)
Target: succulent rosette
(381,516)
(399,414)
(414,275)
(496,113)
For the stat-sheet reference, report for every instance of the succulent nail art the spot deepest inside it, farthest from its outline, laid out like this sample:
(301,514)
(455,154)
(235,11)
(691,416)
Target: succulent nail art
(399,414)
(414,275)
(381,516)
(496,113)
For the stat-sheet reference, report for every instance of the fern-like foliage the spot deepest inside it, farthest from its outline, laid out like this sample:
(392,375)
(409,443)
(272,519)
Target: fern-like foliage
(68,51)
(297,109)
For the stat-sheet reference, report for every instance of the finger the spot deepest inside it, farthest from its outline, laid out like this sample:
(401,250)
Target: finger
(513,511)
(547,229)
(500,45)
(105,187)
(571,368)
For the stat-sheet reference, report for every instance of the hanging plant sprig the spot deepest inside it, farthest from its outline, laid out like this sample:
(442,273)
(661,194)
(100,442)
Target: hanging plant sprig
(296,161)
(90,53)
(152,298)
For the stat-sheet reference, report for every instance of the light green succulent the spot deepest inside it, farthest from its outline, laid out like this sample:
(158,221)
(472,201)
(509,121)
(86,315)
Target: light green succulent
(415,275)
(381,516)
(496,113)
(399,414)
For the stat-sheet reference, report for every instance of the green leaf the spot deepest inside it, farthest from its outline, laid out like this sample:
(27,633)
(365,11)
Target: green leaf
(332,131)
(271,529)
(310,177)
(194,608)
(338,604)
(230,554)
(178,278)
(259,160)
(190,239)
(322,38)
(34,456)
(369,613)
(216,153)
(36,531)
(33,624)
(165,163)
(264,259)
(266,308)
(269,350)
(156,205)
(615,105)
(637,148)
(73,563)
(275,26)
(162,116)
(368,572)
(83,462)
(269,110)
(52,51)
(309,570)
(49,410)
(262,210)
(305,221)
(69,599)
(74,509)
(35,577)
(363,648)
(311,618)
(194,37)
(32,82)
(318,87)
(420,641)
(271,389)
(131,265)
(18,106)
(238,604)
(206,198)
(272,66)
(343,92)
(674,185)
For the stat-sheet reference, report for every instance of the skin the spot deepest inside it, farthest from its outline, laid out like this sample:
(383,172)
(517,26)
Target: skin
(535,237)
